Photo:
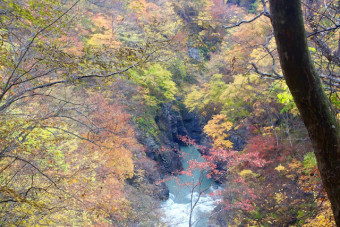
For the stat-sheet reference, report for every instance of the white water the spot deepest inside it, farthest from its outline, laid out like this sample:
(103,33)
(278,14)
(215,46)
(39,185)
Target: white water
(177,208)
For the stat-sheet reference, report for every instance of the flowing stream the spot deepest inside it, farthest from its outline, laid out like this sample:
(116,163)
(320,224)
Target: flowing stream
(177,207)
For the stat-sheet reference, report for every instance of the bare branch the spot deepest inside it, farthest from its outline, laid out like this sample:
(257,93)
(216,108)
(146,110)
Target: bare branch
(272,56)
(324,30)
(266,75)
(244,21)
(265,12)
(33,39)
(34,166)
(19,95)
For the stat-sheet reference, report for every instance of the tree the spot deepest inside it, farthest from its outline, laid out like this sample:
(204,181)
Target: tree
(47,127)
(204,169)
(303,81)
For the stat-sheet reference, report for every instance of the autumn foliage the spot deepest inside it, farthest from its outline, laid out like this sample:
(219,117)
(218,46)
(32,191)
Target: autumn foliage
(94,94)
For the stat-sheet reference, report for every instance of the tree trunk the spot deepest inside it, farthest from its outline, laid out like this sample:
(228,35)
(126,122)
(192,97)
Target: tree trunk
(305,85)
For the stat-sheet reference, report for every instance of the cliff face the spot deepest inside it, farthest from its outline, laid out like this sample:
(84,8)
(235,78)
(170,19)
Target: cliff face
(177,121)
(172,122)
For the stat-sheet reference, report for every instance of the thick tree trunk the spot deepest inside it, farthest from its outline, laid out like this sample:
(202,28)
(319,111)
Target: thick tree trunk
(305,86)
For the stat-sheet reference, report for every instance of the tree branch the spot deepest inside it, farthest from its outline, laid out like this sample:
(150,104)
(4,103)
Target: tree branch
(29,163)
(265,12)
(33,39)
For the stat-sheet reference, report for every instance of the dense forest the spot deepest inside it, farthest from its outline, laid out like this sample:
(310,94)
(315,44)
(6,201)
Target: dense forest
(169,113)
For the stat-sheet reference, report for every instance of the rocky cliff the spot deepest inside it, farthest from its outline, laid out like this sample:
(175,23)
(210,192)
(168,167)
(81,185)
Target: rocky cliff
(163,148)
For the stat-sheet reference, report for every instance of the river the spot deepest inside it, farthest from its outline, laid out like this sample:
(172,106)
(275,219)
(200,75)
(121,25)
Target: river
(177,208)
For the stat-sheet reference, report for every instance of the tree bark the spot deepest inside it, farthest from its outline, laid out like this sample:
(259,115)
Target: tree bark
(305,85)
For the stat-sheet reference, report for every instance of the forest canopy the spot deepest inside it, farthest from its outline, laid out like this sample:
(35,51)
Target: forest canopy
(99,99)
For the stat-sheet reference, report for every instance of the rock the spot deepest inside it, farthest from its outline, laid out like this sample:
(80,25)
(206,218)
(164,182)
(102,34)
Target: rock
(162,192)
(238,138)
(194,53)
(163,149)
(192,125)
(148,178)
